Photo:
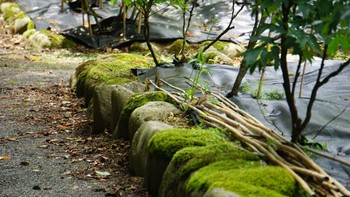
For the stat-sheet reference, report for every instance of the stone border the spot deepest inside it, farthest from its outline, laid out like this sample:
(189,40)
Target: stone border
(172,159)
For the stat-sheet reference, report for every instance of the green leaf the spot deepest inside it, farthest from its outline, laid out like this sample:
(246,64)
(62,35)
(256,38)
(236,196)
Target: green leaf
(333,46)
(251,56)
(313,43)
(345,42)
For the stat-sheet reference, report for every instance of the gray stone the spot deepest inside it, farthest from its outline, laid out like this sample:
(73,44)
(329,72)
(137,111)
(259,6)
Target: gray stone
(20,25)
(155,110)
(139,151)
(219,192)
(218,57)
(72,80)
(120,96)
(102,107)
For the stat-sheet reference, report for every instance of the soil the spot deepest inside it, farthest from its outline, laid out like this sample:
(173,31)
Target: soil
(46,144)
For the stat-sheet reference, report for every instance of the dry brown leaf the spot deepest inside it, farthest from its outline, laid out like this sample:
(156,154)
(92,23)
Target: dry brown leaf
(5,157)
(12,139)
(43,146)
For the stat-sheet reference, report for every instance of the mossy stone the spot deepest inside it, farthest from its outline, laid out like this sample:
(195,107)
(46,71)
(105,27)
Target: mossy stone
(109,69)
(176,47)
(142,47)
(243,179)
(28,33)
(166,143)
(10,11)
(30,25)
(136,100)
(57,40)
(190,159)
(219,45)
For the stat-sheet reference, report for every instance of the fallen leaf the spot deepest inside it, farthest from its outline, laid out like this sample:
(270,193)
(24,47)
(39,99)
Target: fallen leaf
(5,157)
(75,187)
(43,146)
(102,173)
(12,139)
(52,140)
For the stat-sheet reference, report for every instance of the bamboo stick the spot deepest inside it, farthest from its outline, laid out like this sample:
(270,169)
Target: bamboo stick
(261,140)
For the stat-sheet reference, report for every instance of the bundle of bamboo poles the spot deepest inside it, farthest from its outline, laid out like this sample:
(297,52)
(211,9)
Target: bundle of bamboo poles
(216,110)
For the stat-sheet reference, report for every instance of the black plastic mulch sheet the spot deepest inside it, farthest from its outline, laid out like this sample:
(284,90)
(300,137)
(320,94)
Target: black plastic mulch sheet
(330,114)
(210,18)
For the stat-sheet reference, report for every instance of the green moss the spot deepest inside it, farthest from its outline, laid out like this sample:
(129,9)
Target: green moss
(245,180)
(176,47)
(109,69)
(193,158)
(28,33)
(166,143)
(190,159)
(67,44)
(57,40)
(11,11)
(219,45)
(30,25)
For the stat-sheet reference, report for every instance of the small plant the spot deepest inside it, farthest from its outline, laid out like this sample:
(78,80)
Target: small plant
(12,82)
(198,63)
(275,94)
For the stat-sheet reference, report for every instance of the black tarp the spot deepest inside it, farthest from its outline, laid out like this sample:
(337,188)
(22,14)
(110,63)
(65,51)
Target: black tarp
(331,111)
(210,19)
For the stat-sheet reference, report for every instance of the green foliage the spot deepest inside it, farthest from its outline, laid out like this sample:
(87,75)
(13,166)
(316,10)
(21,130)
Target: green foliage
(302,28)
(275,94)
(326,19)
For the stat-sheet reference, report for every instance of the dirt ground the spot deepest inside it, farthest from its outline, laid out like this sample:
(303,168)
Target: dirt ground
(46,145)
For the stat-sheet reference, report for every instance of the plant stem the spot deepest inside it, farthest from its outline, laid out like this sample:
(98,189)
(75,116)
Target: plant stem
(146,14)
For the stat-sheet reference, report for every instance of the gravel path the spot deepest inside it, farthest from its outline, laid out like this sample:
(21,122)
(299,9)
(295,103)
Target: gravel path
(46,147)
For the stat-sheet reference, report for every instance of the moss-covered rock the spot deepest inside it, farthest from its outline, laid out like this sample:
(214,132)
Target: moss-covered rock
(135,101)
(11,11)
(30,25)
(18,20)
(164,144)
(216,57)
(243,179)
(219,45)
(57,40)
(38,40)
(167,143)
(190,159)
(108,69)
(142,47)
(139,151)
(176,47)
(28,33)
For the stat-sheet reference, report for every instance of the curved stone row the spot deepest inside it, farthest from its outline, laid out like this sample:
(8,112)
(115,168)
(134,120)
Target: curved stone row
(178,161)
